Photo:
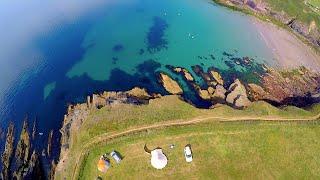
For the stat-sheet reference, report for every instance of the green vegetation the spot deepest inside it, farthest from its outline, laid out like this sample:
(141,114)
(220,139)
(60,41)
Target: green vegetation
(110,120)
(315,5)
(297,8)
(220,150)
(124,116)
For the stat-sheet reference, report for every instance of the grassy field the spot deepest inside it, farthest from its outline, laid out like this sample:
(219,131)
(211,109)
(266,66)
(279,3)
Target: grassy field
(109,120)
(314,3)
(220,150)
(112,119)
(297,8)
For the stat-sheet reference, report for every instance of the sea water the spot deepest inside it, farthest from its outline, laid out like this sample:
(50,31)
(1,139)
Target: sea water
(113,45)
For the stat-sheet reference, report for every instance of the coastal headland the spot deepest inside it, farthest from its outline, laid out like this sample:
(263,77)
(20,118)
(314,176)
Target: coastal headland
(251,100)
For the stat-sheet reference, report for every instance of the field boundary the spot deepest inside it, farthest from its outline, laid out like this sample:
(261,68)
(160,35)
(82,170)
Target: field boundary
(107,136)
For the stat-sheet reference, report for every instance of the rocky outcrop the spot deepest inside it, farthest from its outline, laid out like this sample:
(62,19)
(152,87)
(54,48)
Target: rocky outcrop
(237,96)
(76,114)
(138,93)
(182,71)
(6,156)
(35,168)
(23,147)
(169,84)
(256,93)
(22,153)
(134,96)
(187,75)
(219,94)
(49,145)
(34,129)
(294,87)
(52,170)
(210,81)
(216,76)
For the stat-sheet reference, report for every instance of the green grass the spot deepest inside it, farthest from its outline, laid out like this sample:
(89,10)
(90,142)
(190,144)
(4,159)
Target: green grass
(112,119)
(220,150)
(297,8)
(314,4)
(169,108)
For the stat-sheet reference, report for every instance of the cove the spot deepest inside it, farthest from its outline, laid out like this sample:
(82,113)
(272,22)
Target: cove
(120,45)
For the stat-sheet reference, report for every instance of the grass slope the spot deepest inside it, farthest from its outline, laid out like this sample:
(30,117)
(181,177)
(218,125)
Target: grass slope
(221,150)
(297,8)
(109,120)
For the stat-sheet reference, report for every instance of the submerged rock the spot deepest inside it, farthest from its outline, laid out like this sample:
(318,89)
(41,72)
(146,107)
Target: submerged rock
(237,96)
(184,72)
(169,84)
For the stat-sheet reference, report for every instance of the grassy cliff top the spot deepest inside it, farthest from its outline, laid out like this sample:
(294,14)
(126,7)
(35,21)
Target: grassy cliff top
(109,120)
(302,9)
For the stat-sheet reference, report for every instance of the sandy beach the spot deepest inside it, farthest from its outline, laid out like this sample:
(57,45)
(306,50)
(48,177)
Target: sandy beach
(288,50)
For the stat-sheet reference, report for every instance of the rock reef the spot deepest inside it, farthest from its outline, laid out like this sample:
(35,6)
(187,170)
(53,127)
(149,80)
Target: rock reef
(299,87)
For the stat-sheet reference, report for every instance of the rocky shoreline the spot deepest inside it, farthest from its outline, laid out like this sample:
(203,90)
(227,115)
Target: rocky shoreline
(22,161)
(277,87)
(76,114)
(298,87)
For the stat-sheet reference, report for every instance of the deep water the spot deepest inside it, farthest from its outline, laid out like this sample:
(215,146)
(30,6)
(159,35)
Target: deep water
(120,45)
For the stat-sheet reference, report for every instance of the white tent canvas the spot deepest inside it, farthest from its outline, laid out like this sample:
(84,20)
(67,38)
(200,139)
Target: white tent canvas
(158,159)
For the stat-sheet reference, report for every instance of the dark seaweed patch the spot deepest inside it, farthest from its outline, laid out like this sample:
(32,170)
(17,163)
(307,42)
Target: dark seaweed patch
(212,57)
(114,60)
(155,37)
(141,52)
(227,54)
(118,47)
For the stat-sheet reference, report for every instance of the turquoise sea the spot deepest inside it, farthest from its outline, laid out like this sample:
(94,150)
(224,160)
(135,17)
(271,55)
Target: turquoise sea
(110,45)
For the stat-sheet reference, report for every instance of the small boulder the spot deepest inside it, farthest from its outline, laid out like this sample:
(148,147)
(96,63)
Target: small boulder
(204,94)
(217,77)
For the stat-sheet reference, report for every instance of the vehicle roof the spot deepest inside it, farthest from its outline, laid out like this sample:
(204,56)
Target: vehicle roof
(187,149)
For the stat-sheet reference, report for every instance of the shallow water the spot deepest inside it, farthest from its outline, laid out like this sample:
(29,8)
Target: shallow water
(116,46)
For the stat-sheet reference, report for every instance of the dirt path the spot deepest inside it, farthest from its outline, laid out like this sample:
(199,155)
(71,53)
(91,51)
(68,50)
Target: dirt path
(108,136)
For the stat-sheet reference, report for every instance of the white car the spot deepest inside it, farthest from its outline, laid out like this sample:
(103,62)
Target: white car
(188,153)
(116,156)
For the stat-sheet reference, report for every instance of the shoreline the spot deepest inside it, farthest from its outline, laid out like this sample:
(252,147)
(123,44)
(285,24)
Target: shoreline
(289,51)
(78,115)
(262,17)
